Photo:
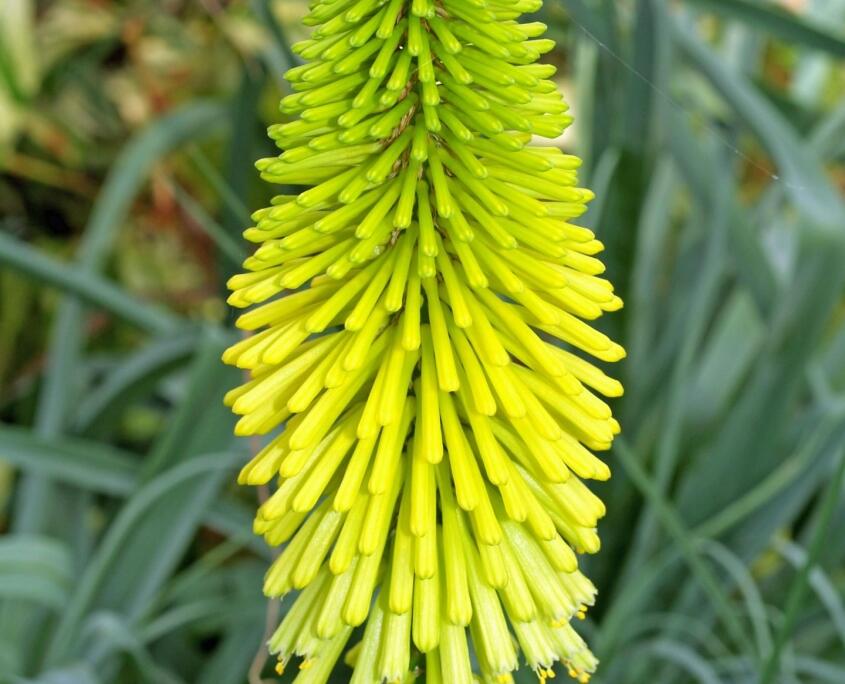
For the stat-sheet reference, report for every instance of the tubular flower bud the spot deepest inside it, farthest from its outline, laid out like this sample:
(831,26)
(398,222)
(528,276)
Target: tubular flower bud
(421,317)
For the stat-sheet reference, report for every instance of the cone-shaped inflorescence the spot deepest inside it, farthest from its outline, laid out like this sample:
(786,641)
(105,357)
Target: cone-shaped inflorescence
(419,351)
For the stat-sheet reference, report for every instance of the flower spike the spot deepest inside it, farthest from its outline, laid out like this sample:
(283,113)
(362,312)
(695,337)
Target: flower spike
(422,326)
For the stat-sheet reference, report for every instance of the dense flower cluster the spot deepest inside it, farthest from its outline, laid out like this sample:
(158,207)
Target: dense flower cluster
(419,315)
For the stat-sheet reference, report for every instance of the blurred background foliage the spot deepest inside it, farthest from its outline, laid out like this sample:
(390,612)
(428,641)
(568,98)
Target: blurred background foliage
(714,136)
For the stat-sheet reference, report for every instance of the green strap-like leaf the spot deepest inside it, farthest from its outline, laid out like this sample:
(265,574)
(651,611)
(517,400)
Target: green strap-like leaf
(770,18)
(88,286)
(35,569)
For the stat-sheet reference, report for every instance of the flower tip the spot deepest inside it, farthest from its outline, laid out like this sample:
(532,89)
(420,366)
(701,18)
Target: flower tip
(616,352)
(615,390)
(243,476)
(602,473)
(242,428)
(615,304)
(351,657)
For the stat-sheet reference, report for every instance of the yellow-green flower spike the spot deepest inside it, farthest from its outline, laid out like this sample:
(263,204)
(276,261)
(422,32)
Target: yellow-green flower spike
(420,358)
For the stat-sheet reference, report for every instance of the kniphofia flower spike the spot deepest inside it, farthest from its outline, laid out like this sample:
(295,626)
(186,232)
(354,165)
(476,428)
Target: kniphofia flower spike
(421,315)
